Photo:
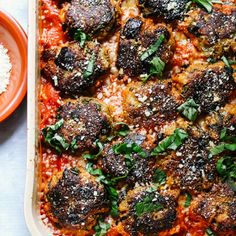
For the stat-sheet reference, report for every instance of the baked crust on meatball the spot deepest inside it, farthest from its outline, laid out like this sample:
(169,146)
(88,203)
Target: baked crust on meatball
(145,211)
(167,9)
(136,38)
(76,199)
(74,69)
(83,122)
(150,104)
(93,17)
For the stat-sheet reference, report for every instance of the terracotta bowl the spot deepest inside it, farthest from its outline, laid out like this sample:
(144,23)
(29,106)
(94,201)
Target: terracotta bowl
(13,37)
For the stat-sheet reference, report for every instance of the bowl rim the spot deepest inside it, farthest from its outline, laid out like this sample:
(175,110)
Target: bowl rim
(6,18)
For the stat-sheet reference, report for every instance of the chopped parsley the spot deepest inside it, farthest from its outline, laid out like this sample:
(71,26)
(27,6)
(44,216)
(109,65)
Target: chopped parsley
(159,176)
(207,4)
(90,68)
(189,109)
(101,228)
(90,156)
(209,232)
(172,142)
(188,200)
(80,36)
(53,139)
(147,205)
(153,48)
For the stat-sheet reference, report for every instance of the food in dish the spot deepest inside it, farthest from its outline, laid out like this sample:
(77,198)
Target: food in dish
(137,117)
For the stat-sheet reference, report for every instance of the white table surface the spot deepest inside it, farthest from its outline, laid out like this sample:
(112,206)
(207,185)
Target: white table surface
(13,152)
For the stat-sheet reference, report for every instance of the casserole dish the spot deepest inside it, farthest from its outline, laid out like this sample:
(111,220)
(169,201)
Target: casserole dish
(131,119)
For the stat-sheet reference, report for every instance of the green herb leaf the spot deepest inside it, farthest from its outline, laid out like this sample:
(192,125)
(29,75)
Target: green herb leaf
(153,48)
(172,142)
(101,228)
(207,4)
(90,68)
(225,60)
(188,200)
(147,205)
(94,156)
(209,232)
(159,176)
(189,109)
(223,147)
(113,196)
(123,129)
(81,37)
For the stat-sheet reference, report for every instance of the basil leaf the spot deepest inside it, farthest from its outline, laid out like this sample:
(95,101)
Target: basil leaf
(113,196)
(172,142)
(225,60)
(90,68)
(147,205)
(188,200)
(207,4)
(189,109)
(153,48)
(101,228)
(159,176)
(124,129)
(129,148)
(80,36)
(94,156)
(209,232)
(223,147)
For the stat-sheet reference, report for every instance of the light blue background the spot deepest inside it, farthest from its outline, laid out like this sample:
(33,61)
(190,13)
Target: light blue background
(13,152)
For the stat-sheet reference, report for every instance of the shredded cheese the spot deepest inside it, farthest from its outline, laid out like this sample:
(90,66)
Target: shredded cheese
(5,69)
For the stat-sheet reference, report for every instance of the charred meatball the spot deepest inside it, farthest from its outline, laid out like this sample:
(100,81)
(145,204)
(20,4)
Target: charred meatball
(150,104)
(75,199)
(136,40)
(73,69)
(133,167)
(191,167)
(218,208)
(167,9)
(210,87)
(215,31)
(93,17)
(148,212)
(80,124)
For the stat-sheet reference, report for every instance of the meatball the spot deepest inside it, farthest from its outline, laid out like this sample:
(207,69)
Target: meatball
(82,122)
(76,199)
(93,17)
(210,86)
(73,69)
(148,212)
(167,9)
(150,104)
(136,39)
(191,168)
(218,208)
(215,31)
(134,168)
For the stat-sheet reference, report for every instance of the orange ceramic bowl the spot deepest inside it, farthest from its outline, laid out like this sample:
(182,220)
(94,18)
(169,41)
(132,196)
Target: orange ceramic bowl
(13,37)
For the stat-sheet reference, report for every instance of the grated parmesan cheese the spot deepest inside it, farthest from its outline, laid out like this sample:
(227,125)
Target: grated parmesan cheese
(5,69)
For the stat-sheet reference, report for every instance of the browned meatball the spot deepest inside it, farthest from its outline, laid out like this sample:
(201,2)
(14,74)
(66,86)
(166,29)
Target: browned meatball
(147,211)
(75,199)
(82,122)
(74,70)
(215,31)
(90,16)
(135,168)
(167,9)
(218,207)
(136,39)
(210,87)
(150,104)
(190,166)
